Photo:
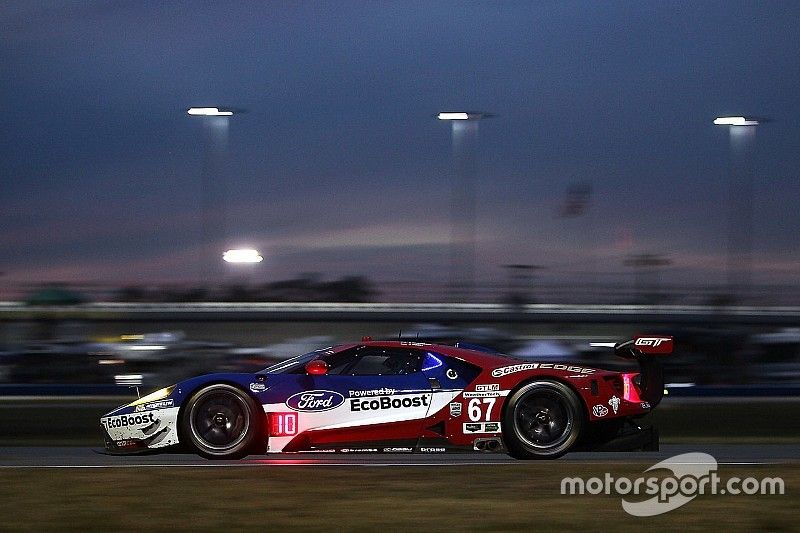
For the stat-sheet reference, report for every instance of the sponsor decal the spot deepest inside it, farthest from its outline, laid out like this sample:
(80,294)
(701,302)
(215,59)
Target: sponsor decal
(359,450)
(160,404)
(487,387)
(645,405)
(315,401)
(504,371)
(258,387)
(614,403)
(482,427)
(490,394)
(129,443)
(452,374)
(599,410)
(322,451)
(128,420)
(432,450)
(455,409)
(398,450)
(372,392)
(386,402)
(512,369)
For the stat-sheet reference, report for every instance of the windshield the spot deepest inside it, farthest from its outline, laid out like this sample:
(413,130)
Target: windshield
(290,364)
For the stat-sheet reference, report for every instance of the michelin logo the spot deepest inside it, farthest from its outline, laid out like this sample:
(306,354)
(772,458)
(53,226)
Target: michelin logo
(160,404)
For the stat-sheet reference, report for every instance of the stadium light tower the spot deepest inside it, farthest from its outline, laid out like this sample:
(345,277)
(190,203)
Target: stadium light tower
(464,125)
(738,267)
(213,186)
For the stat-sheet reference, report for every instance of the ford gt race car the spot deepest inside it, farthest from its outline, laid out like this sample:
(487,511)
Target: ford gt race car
(395,397)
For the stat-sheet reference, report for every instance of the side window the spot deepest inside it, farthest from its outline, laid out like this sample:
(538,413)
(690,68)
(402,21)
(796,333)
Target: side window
(338,363)
(385,362)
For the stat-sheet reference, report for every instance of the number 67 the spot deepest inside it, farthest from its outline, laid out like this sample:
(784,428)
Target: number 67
(474,408)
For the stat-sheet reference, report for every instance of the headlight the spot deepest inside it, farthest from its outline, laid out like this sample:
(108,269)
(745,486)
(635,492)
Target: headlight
(160,394)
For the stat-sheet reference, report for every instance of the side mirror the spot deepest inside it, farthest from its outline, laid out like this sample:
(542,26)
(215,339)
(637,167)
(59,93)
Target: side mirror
(317,367)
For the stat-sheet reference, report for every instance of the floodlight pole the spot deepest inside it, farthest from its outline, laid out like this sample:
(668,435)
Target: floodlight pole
(738,265)
(464,127)
(216,122)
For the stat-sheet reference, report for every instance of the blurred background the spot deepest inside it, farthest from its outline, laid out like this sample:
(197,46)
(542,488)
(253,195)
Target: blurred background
(191,187)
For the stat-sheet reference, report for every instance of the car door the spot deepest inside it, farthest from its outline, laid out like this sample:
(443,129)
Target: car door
(385,395)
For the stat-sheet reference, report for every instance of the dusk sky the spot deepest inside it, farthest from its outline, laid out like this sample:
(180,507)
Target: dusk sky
(339,165)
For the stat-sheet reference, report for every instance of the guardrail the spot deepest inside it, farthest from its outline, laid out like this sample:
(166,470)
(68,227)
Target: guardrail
(416,312)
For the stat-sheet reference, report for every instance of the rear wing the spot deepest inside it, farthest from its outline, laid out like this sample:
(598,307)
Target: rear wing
(640,346)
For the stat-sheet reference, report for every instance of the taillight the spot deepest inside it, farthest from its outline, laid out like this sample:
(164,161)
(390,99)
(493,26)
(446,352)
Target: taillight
(630,388)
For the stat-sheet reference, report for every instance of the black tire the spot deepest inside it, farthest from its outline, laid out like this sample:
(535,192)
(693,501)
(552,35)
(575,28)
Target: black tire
(543,420)
(221,421)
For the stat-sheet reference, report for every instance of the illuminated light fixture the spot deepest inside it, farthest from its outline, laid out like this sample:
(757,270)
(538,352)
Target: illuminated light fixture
(209,112)
(736,121)
(160,394)
(244,255)
(131,380)
(453,116)
(145,347)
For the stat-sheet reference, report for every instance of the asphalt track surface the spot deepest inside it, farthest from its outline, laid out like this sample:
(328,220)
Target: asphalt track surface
(79,457)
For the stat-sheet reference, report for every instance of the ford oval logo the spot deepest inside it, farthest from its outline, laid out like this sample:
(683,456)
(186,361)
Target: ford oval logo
(315,400)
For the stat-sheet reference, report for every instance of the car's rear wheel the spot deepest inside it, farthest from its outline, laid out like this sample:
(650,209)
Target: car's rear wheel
(221,421)
(543,420)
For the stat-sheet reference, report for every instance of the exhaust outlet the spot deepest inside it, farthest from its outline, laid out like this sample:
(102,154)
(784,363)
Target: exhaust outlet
(487,445)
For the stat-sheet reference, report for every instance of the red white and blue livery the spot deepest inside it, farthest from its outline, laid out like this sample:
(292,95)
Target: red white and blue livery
(401,397)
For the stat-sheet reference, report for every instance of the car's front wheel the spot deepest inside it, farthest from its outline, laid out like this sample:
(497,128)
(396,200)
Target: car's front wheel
(543,420)
(221,421)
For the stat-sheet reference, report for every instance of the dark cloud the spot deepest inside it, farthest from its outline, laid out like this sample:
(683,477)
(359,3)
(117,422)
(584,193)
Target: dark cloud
(101,167)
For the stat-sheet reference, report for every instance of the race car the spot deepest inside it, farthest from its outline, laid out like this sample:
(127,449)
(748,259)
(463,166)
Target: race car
(396,397)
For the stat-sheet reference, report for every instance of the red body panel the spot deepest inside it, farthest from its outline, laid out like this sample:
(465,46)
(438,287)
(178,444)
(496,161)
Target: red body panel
(604,394)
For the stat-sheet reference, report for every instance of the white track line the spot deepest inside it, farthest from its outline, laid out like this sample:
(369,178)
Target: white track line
(359,465)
